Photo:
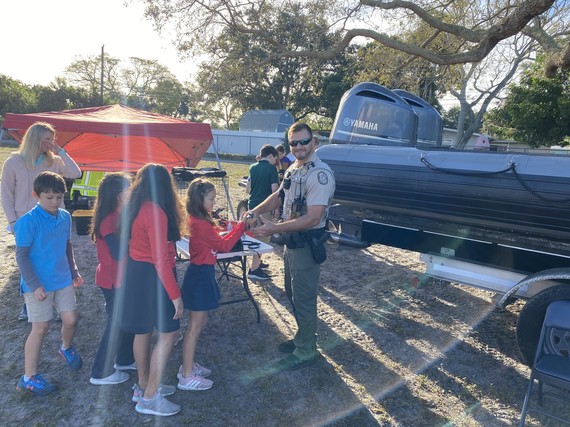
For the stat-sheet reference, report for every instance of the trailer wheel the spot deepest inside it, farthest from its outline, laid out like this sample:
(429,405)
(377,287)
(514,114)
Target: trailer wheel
(241,208)
(530,321)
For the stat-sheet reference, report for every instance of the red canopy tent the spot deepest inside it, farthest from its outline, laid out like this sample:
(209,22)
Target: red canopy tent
(118,138)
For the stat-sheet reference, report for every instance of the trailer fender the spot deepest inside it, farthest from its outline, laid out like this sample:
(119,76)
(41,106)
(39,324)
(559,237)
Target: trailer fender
(530,320)
(541,276)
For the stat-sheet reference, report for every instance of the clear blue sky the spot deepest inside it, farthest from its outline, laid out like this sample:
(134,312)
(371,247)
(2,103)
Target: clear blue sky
(41,38)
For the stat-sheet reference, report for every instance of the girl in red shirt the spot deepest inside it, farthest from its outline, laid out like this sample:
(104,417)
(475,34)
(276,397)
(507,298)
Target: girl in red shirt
(113,190)
(200,291)
(151,223)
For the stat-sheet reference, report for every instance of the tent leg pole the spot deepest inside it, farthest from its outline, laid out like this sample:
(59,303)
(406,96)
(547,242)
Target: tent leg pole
(225,183)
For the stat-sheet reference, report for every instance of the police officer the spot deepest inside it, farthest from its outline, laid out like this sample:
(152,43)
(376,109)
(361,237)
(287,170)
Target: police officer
(307,191)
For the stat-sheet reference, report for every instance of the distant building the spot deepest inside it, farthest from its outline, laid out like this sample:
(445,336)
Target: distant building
(480,141)
(243,143)
(449,135)
(266,120)
(509,145)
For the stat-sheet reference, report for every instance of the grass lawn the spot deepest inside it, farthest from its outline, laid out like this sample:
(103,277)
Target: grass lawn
(5,153)
(235,171)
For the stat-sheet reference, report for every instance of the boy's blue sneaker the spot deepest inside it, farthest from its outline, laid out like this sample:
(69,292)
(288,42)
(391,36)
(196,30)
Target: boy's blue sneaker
(72,358)
(36,385)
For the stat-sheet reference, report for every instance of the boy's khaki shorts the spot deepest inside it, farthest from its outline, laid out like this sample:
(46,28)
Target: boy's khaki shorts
(42,311)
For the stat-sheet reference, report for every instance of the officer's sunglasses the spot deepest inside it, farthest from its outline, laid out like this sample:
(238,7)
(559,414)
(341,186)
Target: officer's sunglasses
(304,141)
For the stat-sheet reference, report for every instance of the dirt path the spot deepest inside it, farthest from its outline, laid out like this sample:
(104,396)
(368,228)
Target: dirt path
(394,355)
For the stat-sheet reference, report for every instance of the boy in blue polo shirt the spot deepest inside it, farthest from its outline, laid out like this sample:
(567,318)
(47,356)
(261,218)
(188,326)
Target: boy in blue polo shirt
(47,266)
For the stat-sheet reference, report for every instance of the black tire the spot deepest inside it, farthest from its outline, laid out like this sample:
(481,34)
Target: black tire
(241,208)
(529,323)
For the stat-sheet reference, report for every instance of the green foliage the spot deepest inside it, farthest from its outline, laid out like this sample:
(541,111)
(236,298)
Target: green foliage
(399,70)
(451,118)
(59,95)
(15,96)
(536,111)
(140,83)
(244,70)
(86,74)
(197,106)
(317,123)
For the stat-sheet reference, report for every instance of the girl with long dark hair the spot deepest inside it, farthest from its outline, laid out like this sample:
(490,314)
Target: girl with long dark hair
(151,223)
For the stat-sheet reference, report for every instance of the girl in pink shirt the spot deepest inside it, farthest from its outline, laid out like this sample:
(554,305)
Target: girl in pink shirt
(200,291)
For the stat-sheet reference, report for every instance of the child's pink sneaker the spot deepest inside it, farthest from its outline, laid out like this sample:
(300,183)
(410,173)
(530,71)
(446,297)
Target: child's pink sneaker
(194,382)
(197,369)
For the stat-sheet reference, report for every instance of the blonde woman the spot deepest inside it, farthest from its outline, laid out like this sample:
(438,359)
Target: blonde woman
(38,153)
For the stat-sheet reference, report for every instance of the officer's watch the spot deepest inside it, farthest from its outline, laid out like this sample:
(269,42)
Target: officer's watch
(250,215)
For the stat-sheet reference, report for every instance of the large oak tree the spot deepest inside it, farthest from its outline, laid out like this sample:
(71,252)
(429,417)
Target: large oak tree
(484,24)
(243,73)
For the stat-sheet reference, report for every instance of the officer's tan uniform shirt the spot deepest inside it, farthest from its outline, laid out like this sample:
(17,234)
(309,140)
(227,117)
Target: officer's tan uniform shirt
(313,181)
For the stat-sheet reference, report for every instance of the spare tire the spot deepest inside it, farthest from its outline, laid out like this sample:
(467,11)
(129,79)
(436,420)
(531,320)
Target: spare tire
(529,323)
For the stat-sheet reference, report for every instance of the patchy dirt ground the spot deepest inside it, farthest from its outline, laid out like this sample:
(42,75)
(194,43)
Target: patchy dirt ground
(394,355)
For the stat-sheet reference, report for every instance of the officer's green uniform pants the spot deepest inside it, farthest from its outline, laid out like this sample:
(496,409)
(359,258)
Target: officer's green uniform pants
(301,284)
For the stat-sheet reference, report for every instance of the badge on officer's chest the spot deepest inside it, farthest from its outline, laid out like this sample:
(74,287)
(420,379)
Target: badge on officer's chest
(323,178)
(306,168)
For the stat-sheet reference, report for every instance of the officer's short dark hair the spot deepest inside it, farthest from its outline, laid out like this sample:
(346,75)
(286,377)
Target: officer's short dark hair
(297,127)
(49,181)
(268,149)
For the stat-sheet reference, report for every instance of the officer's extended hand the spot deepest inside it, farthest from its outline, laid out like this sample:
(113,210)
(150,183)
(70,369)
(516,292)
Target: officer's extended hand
(251,220)
(267,228)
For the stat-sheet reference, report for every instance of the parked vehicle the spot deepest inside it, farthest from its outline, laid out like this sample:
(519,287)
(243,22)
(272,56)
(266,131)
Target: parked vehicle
(84,190)
(495,220)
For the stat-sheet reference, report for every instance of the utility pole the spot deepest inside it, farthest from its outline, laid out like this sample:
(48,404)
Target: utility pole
(102,68)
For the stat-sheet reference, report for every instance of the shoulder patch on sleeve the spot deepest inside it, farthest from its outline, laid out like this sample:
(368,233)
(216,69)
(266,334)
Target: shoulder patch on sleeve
(323,178)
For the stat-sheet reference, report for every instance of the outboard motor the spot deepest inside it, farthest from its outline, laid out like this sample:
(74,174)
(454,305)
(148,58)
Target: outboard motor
(430,123)
(373,115)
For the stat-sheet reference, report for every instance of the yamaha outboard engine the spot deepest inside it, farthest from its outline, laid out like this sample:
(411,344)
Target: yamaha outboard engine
(373,115)
(430,123)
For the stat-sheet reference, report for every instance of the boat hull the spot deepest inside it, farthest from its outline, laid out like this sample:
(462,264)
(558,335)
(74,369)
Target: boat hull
(518,193)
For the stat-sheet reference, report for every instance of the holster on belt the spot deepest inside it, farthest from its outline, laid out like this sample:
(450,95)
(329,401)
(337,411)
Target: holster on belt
(315,238)
(293,240)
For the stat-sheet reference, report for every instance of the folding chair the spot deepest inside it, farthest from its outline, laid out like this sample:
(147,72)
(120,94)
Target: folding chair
(550,368)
